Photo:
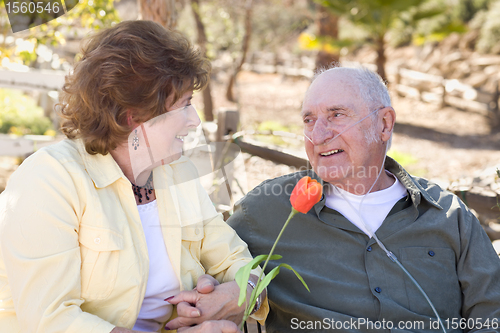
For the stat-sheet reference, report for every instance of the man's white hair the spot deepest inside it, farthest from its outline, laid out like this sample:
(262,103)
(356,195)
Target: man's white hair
(371,88)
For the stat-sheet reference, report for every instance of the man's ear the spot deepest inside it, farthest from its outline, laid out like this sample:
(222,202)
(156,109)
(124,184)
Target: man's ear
(388,120)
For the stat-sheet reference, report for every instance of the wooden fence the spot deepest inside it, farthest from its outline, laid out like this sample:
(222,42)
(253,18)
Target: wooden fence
(284,64)
(32,79)
(23,146)
(436,89)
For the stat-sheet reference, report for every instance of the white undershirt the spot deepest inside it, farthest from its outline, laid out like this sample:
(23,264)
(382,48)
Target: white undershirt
(375,206)
(162,282)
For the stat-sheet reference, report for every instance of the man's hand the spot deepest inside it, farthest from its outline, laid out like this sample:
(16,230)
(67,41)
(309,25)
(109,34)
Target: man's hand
(208,301)
(212,326)
(206,284)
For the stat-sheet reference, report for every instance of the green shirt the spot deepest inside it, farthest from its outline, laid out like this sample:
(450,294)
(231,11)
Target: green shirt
(354,286)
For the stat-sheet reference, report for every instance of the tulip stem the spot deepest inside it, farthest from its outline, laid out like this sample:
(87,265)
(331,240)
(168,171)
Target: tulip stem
(292,214)
(253,296)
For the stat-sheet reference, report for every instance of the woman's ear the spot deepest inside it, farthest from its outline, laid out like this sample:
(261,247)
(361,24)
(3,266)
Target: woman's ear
(388,120)
(130,120)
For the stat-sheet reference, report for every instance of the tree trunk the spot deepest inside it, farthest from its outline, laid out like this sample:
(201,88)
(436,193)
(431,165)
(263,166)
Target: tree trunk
(380,46)
(327,23)
(244,51)
(202,43)
(159,11)
(208,105)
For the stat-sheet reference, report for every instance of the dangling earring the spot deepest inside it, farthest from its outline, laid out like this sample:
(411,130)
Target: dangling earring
(135,140)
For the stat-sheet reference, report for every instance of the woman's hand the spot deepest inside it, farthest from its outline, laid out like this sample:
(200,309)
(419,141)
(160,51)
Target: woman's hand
(209,300)
(212,326)
(126,330)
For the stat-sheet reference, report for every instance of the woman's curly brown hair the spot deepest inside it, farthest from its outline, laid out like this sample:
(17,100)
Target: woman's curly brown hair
(134,66)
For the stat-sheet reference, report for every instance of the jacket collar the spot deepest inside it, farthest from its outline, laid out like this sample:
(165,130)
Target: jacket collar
(416,191)
(414,188)
(102,169)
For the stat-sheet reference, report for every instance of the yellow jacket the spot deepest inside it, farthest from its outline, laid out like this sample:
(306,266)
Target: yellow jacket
(73,256)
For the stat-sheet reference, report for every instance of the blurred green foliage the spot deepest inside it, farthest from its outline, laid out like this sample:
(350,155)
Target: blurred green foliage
(87,14)
(420,21)
(401,19)
(380,18)
(490,29)
(92,14)
(274,24)
(465,10)
(461,16)
(404,159)
(408,162)
(223,26)
(20,114)
(270,126)
(329,44)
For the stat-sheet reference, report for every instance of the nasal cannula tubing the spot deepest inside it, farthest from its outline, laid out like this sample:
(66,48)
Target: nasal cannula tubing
(389,254)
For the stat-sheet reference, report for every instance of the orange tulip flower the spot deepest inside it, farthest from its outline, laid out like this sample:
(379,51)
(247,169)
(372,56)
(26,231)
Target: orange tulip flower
(306,194)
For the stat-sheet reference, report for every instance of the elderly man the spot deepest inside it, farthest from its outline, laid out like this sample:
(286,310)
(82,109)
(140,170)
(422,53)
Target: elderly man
(374,222)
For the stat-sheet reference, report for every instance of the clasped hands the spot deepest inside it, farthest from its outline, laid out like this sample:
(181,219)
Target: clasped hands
(210,300)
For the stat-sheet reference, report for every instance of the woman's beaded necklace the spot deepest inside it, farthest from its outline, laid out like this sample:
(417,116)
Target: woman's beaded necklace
(147,189)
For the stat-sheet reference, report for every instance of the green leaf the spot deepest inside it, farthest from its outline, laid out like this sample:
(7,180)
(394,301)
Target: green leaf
(243,274)
(272,274)
(340,7)
(427,13)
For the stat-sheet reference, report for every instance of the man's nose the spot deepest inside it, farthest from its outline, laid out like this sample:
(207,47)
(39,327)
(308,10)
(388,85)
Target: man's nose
(322,133)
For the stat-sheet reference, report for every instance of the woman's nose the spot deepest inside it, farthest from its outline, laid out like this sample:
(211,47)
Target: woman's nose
(193,118)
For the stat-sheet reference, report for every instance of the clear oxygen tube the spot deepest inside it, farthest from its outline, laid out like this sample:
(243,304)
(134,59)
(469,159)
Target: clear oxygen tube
(389,254)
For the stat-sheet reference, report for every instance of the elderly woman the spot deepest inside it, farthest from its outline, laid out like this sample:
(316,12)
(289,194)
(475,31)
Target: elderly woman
(97,231)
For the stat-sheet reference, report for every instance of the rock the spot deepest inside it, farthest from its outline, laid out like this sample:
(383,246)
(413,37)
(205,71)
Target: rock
(487,176)
(434,59)
(496,49)
(426,51)
(468,41)
(450,43)
(496,246)
(490,85)
(452,57)
(493,230)
(477,79)
(482,193)
(434,71)
(484,60)
(462,71)
(493,234)
(492,70)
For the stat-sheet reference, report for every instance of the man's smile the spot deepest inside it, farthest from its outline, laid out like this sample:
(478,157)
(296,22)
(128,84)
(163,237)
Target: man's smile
(332,152)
